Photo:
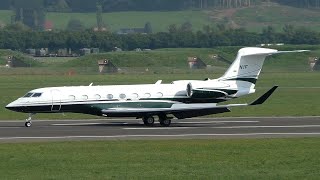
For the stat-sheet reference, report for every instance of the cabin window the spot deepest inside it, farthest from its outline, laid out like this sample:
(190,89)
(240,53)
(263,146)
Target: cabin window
(28,95)
(84,97)
(97,96)
(110,96)
(135,96)
(159,95)
(147,95)
(72,97)
(36,94)
(122,96)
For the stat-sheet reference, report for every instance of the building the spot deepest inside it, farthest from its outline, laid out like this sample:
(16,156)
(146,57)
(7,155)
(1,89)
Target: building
(196,63)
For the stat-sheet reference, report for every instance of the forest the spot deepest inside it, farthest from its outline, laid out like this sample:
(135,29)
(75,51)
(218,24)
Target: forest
(146,5)
(177,36)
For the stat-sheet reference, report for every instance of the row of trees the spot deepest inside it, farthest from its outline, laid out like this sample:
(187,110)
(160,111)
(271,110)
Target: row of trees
(146,5)
(301,3)
(176,37)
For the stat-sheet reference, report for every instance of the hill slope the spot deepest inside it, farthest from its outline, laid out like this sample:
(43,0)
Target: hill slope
(177,58)
(252,18)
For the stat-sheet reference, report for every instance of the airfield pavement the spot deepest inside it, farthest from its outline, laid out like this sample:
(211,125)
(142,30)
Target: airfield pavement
(196,128)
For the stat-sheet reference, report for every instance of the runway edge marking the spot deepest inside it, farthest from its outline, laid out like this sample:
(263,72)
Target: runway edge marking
(177,135)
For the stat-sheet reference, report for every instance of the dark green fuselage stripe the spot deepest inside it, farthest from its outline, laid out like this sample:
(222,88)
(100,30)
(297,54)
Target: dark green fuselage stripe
(251,80)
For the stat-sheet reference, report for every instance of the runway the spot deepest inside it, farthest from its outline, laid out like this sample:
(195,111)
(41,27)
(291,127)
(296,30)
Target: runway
(196,128)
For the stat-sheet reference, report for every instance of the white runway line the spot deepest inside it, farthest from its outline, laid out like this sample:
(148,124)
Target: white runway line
(206,118)
(246,127)
(186,122)
(143,136)
(222,127)
(212,122)
(84,124)
(11,127)
(159,128)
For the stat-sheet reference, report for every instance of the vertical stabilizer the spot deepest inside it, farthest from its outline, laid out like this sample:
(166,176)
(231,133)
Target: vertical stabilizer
(246,68)
(248,64)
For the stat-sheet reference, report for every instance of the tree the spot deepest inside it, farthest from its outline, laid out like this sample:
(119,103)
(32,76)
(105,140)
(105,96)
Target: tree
(269,34)
(18,26)
(148,28)
(30,13)
(75,25)
(99,17)
(186,27)
(172,28)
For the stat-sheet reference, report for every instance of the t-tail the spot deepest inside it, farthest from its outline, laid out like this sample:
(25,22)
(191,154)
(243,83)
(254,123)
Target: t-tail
(246,68)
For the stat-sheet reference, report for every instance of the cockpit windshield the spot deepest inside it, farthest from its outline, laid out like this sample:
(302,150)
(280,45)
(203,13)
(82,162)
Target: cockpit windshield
(36,95)
(30,94)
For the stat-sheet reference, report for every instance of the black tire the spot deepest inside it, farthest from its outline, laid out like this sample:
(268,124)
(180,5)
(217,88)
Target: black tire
(148,121)
(165,123)
(27,124)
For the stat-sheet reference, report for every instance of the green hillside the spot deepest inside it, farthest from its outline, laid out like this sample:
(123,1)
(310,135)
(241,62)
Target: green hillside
(162,60)
(19,56)
(252,18)
(177,58)
(115,21)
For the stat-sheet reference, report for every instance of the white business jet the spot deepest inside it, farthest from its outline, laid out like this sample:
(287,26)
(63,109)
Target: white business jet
(182,99)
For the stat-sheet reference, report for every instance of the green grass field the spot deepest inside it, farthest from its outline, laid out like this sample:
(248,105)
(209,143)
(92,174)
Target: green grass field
(163,159)
(254,18)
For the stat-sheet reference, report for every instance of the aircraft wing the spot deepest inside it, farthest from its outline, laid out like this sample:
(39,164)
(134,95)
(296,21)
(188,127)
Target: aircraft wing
(185,110)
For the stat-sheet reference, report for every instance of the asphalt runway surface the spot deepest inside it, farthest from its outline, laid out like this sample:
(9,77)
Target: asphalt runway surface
(196,128)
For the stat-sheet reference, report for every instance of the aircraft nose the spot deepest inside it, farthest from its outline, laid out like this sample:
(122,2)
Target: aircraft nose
(14,107)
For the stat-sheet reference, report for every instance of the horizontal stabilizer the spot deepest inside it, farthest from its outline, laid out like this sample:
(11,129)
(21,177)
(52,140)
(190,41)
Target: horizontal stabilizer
(264,97)
(259,101)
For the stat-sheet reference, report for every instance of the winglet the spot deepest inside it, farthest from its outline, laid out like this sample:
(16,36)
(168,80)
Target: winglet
(264,97)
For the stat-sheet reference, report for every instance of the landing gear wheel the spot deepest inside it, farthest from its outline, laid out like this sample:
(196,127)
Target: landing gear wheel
(148,121)
(28,124)
(165,122)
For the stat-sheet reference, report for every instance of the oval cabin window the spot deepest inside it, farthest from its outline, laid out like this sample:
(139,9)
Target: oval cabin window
(147,95)
(109,96)
(122,96)
(97,96)
(135,96)
(159,95)
(71,97)
(84,97)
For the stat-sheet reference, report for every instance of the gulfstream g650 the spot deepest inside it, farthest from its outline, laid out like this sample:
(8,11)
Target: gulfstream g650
(182,98)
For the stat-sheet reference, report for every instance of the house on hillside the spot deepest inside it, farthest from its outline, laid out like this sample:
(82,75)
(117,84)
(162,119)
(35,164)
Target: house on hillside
(196,63)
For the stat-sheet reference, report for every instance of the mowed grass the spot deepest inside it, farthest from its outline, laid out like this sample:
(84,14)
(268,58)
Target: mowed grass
(298,94)
(254,18)
(177,58)
(160,21)
(163,159)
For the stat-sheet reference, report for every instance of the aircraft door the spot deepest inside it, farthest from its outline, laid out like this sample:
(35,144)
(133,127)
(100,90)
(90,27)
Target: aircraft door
(56,100)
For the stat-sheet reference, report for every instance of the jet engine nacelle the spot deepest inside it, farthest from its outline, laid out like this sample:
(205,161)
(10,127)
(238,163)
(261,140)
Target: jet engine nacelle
(198,92)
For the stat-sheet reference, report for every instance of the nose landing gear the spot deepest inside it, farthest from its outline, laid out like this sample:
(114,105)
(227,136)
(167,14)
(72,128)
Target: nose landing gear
(28,122)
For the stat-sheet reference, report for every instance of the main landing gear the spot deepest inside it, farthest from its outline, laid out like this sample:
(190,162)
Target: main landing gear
(163,119)
(28,122)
